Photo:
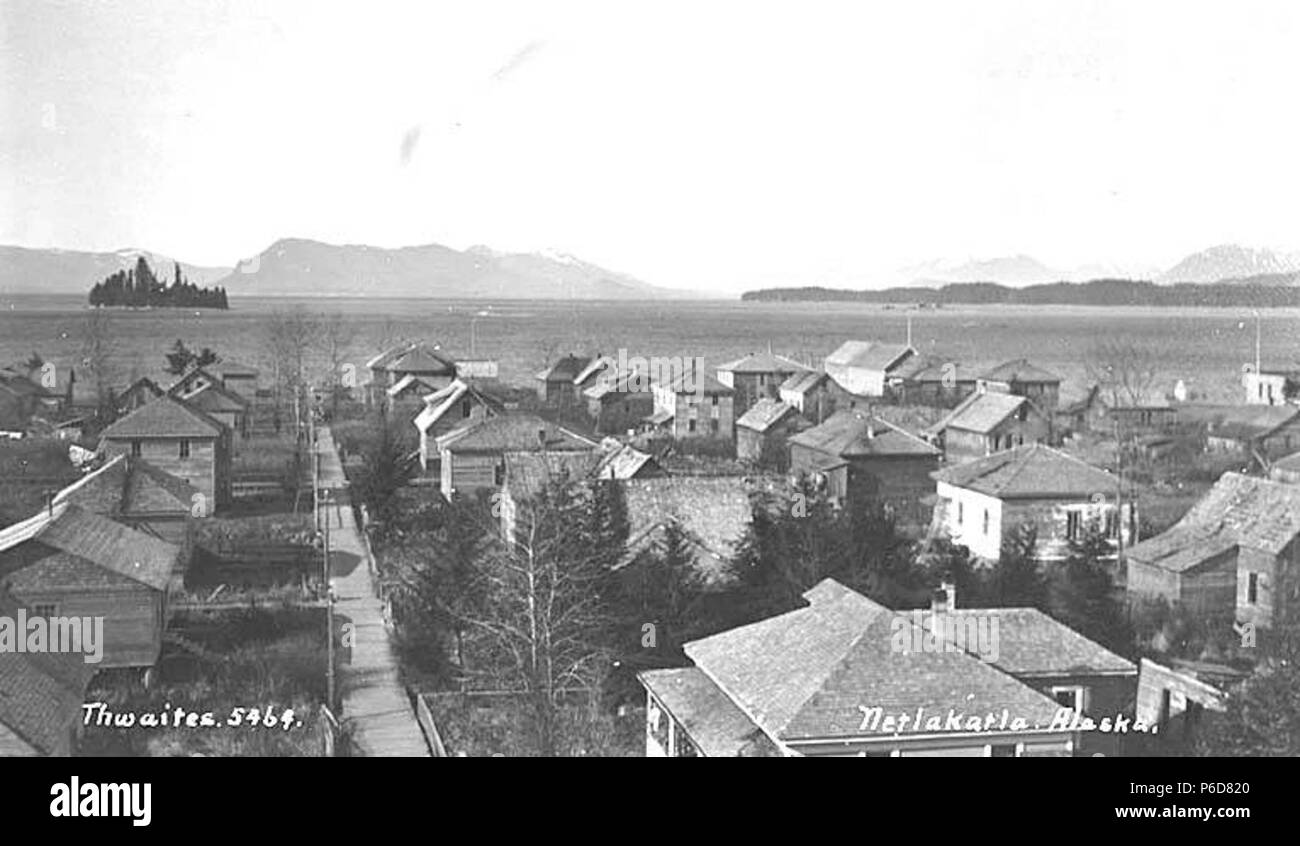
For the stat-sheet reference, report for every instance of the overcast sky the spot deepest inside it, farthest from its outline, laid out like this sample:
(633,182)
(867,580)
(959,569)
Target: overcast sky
(699,144)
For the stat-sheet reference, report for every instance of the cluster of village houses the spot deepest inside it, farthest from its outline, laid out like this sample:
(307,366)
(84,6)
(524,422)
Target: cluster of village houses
(990,457)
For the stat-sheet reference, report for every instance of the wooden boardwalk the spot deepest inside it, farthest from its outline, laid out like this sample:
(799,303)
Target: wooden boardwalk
(372,696)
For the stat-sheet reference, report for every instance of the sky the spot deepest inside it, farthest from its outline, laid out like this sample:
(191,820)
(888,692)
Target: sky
(721,146)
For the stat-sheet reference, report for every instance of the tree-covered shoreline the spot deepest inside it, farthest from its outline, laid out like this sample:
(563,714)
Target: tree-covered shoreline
(139,287)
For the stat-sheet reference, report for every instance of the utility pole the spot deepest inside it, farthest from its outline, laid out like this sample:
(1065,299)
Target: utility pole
(1119,498)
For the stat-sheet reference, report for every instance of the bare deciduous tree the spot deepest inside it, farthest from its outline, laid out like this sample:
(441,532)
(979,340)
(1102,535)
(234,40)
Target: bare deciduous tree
(336,337)
(289,337)
(1125,371)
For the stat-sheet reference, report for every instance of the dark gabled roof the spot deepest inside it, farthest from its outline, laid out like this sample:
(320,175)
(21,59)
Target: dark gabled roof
(698,383)
(211,398)
(599,366)
(933,369)
(1033,471)
(565,370)
(41,694)
(851,434)
(1031,643)
(514,433)
(85,547)
(807,674)
(712,511)
(869,355)
(805,381)
(1239,510)
(165,417)
(624,383)
(444,399)
(622,461)
(765,414)
(763,362)
(981,412)
(1020,370)
(127,486)
(715,725)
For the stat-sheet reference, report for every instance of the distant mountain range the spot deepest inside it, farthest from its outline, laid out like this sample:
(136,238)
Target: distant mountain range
(45,271)
(1098,292)
(299,267)
(1217,264)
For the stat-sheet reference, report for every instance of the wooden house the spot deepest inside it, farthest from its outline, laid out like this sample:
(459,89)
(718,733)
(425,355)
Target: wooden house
(559,383)
(757,376)
(1258,431)
(1176,700)
(136,394)
(619,405)
(981,502)
(989,422)
(762,432)
(473,456)
(41,694)
(1270,385)
(1233,555)
(456,405)
(863,368)
(863,459)
(1023,379)
(67,561)
(694,405)
(1286,469)
(829,680)
(180,440)
(242,379)
(425,361)
(931,381)
(133,492)
(809,392)
(202,391)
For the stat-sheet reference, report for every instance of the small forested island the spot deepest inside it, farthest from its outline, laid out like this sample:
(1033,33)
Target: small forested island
(139,287)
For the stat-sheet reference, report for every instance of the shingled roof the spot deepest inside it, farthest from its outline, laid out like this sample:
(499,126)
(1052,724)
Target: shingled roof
(869,355)
(850,434)
(565,369)
(763,362)
(716,726)
(165,417)
(1033,471)
(1238,511)
(41,694)
(1020,370)
(713,512)
(765,414)
(89,550)
(126,486)
(802,675)
(1031,643)
(513,433)
(981,412)
(804,381)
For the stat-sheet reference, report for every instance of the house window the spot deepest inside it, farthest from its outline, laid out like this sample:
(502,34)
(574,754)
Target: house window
(185,449)
(961,511)
(1004,750)
(690,426)
(464,407)
(986,521)
(1252,588)
(45,609)
(499,475)
(135,449)
(684,747)
(713,425)
(1070,697)
(714,399)
(1073,524)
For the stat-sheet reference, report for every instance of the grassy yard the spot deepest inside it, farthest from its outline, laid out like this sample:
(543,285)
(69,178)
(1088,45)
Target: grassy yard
(273,662)
(496,726)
